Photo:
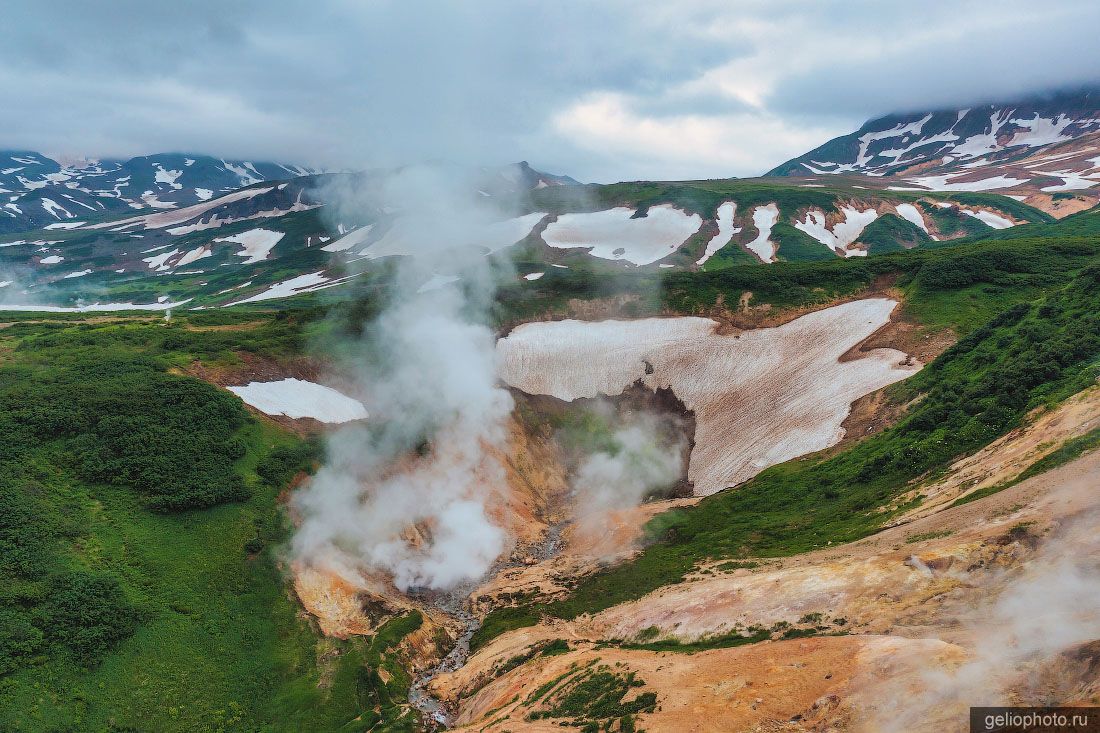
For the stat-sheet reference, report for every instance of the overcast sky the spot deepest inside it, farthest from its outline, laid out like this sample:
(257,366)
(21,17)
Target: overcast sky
(603,90)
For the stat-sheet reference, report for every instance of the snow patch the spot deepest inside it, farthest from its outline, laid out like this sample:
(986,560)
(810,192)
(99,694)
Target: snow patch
(93,308)
(942,183)
(614,234)
(989,218)
(401,237)
(297,398)
(912,215)
(167,176)
(764,218)
(255,243)
(437,281)
(160,262)
(195,254)
(726,230)
(307,283)
(346,242)
(843,233)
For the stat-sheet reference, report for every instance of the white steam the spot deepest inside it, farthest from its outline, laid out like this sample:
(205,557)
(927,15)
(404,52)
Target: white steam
(1052,607)
(638,459)
(406,494)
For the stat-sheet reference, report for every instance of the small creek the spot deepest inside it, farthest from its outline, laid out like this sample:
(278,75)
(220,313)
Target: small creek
(453,604)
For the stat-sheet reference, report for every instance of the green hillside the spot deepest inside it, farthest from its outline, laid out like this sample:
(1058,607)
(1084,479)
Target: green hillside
(142,585)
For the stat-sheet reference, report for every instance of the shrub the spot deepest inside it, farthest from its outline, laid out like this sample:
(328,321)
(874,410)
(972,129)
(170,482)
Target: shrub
(89,615)
(19,639)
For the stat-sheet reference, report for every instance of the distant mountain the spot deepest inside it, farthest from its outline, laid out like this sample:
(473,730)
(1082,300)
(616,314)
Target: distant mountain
(1045,149)
(523,176)
(37,191)
(78,236)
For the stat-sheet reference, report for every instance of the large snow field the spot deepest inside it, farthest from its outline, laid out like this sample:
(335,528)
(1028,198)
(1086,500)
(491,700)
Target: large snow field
(726,230)
(760,397)
(297,398)
(764,217)
(613,235)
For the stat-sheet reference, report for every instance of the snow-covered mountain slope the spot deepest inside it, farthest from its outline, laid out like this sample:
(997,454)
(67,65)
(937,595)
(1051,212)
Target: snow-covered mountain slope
(1045,150)
(36,191)
(267,241)
(270,242)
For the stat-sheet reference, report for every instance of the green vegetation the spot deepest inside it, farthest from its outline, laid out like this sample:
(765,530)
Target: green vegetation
(1071,449)
(796,245)
(140,591)
(890,233)
(730,565)
(386,700)
(591,698)
(925,536)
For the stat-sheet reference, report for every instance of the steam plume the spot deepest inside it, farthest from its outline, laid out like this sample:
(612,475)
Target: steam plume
(640,457)
(1052,606)
(406,494)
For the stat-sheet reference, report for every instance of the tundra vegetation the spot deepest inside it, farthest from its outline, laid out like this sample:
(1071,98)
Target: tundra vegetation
(140,524)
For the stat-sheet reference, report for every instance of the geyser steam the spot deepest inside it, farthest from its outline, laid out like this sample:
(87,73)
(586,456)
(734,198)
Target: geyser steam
(406,494)
(643,453)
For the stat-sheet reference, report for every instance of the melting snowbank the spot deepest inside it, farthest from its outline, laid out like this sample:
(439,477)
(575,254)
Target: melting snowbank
(726,230)
(760,398)
(843,233)
(255,243)
(296,398)
(614,235)
(764,218)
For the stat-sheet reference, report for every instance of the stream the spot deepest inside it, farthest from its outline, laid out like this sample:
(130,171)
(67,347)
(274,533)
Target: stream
(452,603)
(419,696)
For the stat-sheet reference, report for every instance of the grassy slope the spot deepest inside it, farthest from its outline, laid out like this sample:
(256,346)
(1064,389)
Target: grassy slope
(890,233)
(219,643)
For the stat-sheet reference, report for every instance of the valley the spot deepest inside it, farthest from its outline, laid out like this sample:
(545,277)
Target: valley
(804,452)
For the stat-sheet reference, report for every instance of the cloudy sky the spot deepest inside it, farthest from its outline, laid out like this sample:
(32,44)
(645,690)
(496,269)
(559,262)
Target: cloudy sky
(603,91)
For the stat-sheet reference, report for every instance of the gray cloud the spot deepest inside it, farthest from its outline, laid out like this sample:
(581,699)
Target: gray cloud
(607,91)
